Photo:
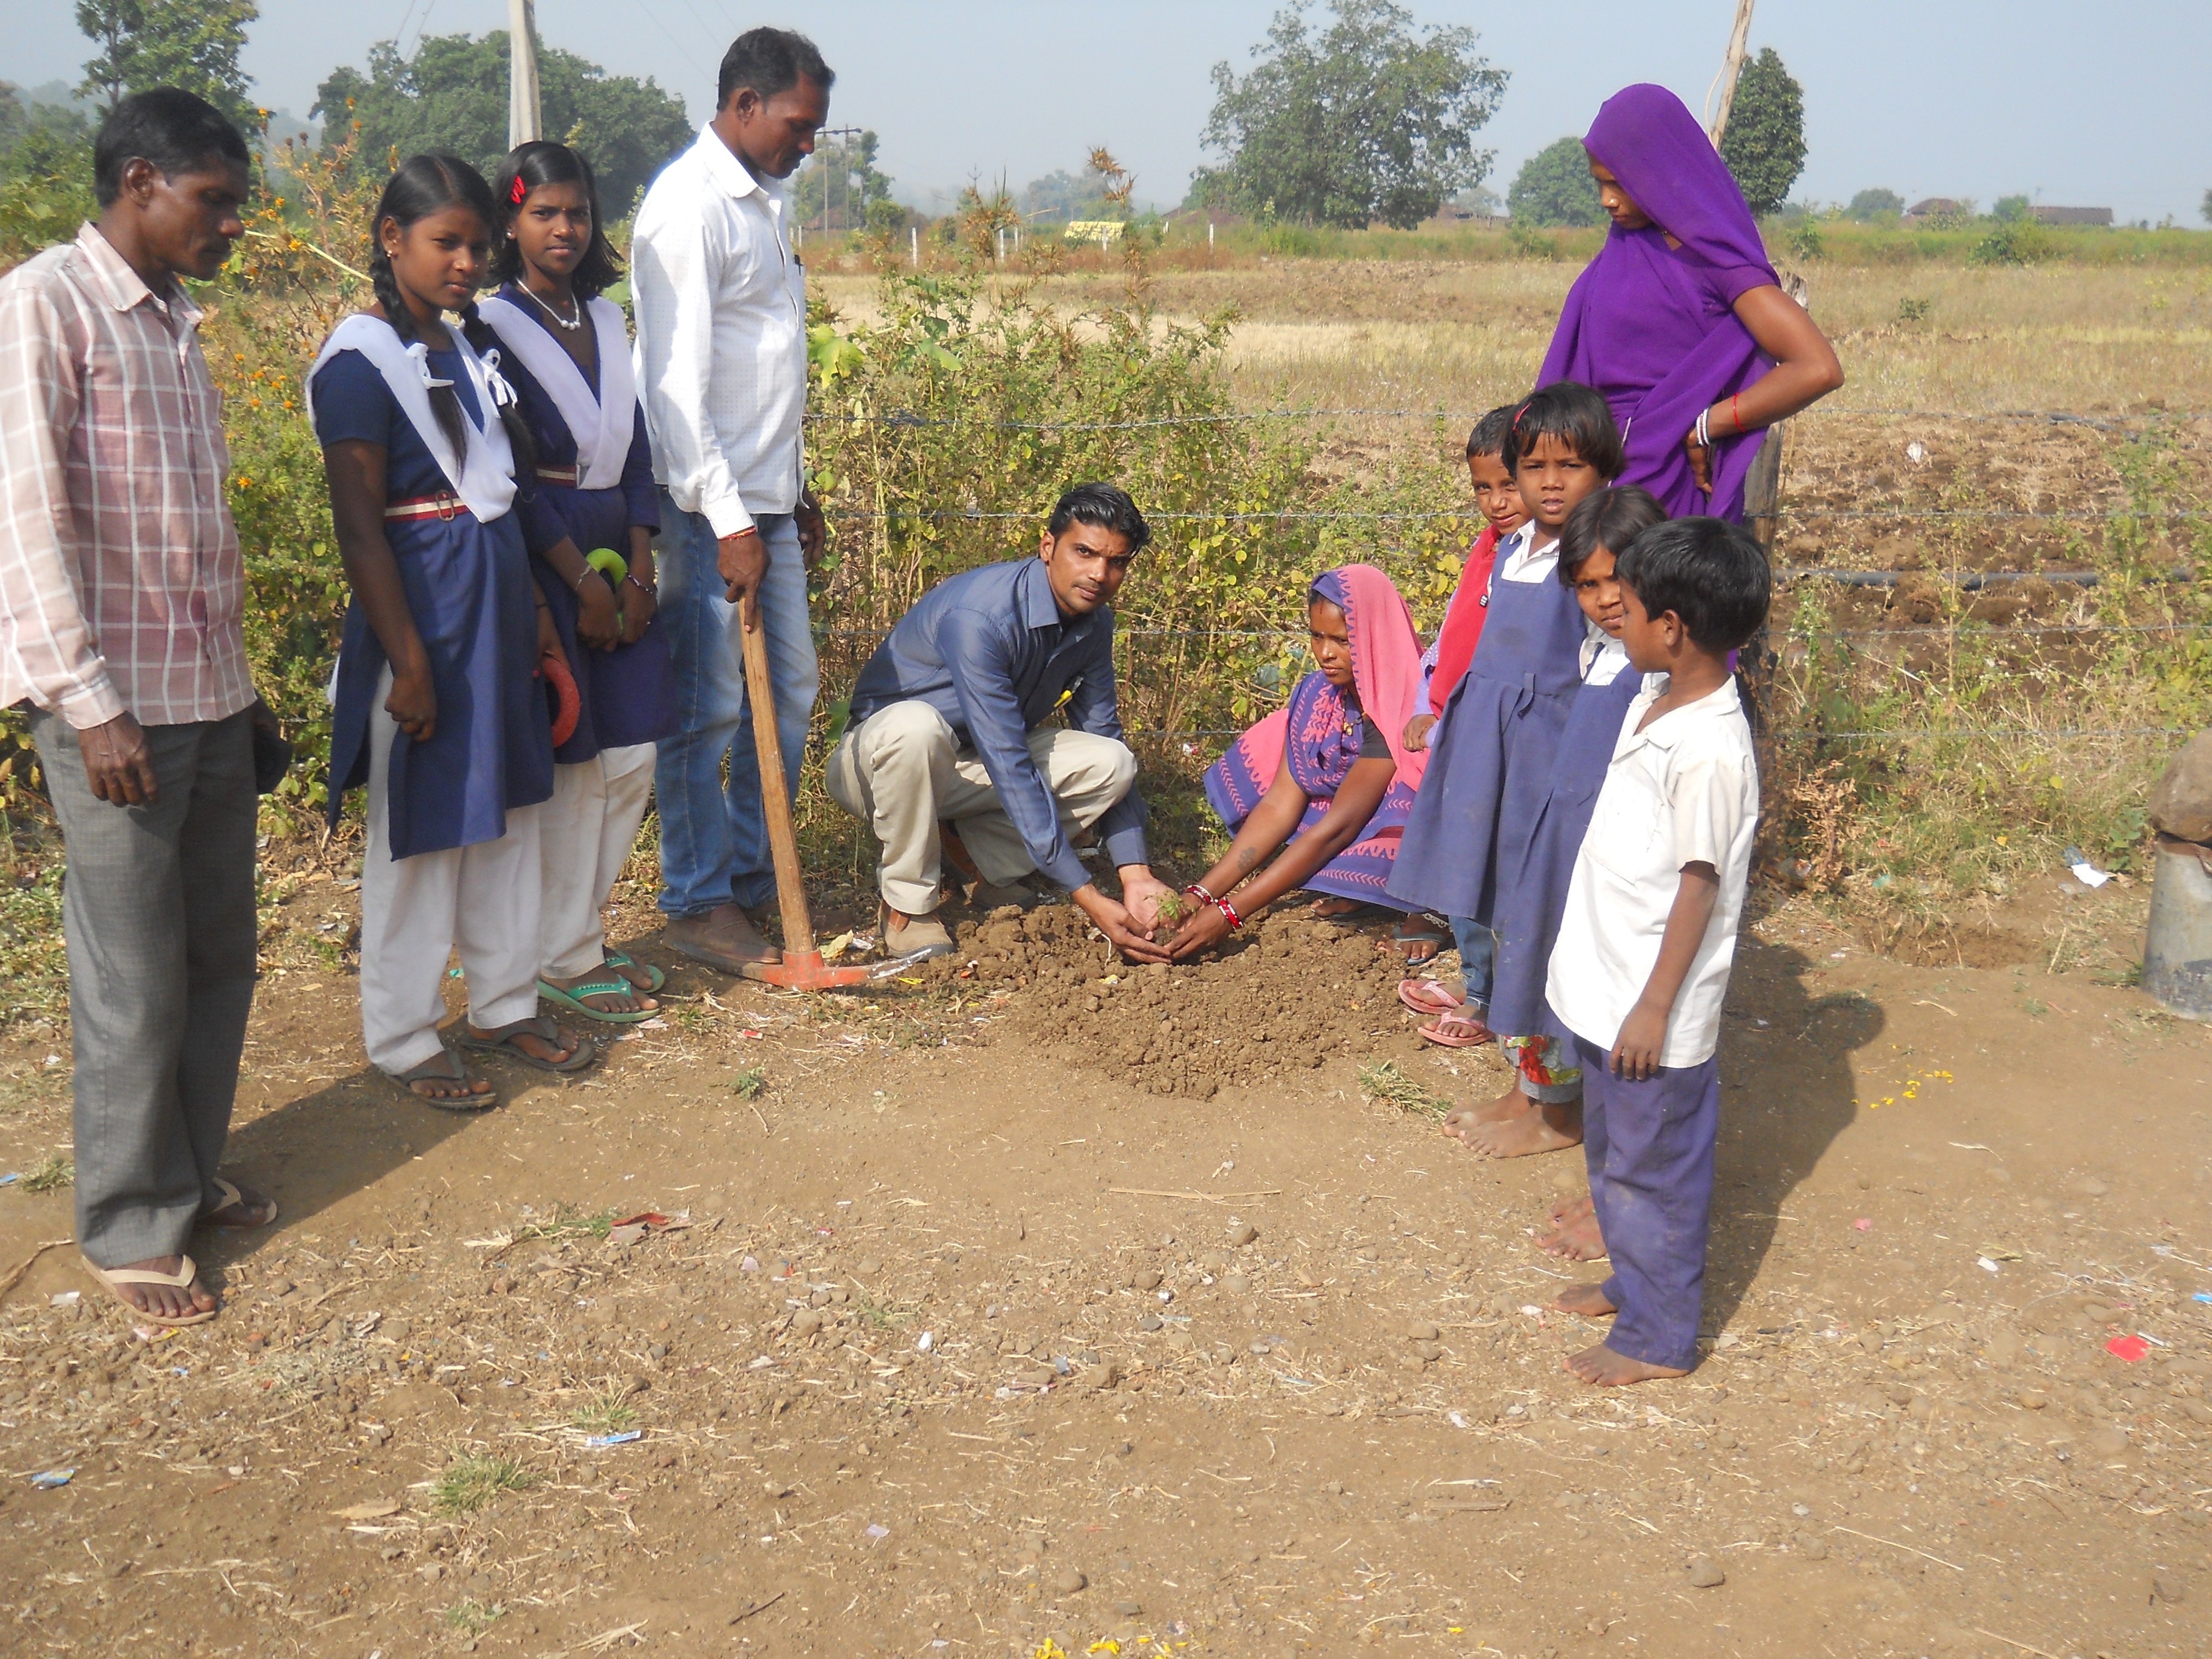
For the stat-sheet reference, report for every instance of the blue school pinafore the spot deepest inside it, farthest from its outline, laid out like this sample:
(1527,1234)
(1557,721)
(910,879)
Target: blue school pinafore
(594,482)
(466,577)
(1533,896)
(1491,764)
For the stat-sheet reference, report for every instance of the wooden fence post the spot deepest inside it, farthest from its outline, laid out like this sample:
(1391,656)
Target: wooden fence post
(1762,516)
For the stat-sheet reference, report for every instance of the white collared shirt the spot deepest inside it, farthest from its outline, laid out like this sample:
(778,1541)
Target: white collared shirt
(1520,560)
(1604,659)
(721,337)
(1684,790)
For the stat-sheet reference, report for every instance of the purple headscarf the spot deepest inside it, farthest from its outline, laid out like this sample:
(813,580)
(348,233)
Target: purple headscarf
(1650,326)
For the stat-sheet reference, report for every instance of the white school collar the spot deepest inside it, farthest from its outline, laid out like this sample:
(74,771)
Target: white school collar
(602,422)
(483,476)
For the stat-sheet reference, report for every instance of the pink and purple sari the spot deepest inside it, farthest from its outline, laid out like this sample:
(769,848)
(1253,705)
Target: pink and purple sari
(1319,734)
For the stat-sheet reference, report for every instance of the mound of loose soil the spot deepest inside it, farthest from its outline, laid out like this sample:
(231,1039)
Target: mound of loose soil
(1287,995)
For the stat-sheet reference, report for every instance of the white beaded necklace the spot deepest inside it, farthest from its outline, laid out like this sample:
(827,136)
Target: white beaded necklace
(558,318)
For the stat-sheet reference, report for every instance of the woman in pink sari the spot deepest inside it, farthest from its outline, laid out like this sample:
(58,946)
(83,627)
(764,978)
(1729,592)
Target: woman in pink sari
(1328,781)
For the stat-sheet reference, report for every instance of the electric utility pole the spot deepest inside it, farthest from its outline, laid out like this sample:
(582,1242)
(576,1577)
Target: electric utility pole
(524,123)
(1732,67)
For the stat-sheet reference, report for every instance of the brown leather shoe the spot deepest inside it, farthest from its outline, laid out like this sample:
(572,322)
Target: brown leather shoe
(724,938)
(915,938)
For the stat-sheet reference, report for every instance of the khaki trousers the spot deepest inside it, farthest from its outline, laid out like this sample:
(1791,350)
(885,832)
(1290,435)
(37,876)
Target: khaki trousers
(903,770)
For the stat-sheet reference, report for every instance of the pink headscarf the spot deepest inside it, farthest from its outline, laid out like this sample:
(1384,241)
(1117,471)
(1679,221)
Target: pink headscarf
(1386,669)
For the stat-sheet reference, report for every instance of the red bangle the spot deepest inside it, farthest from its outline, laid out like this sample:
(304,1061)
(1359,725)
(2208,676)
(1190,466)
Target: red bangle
(1199,893)
(1227,909)
(1734,415)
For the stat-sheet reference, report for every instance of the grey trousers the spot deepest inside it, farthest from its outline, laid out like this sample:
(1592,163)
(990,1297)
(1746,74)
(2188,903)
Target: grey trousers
(157,907)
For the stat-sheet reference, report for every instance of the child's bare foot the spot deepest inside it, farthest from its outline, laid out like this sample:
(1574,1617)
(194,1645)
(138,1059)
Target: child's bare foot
(1604,1368)
(1510,1104)
(1544,1128)
(1585,1301)
(1575,1236)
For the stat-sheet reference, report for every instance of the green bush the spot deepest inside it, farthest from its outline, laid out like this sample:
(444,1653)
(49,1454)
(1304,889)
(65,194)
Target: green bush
(1554,188)
(2020,241)
(942,436)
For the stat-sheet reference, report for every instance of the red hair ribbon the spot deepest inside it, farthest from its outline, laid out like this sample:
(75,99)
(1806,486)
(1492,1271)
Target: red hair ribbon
(519,190)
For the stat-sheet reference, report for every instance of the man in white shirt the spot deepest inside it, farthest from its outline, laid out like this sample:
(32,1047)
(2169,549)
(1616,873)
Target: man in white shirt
(1641,966)
(721,361)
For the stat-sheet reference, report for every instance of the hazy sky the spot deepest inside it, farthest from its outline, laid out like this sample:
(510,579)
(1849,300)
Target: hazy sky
(1926,97)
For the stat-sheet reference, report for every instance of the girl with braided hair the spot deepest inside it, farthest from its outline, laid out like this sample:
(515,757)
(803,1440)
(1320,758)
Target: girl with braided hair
(566,350)
(438,708)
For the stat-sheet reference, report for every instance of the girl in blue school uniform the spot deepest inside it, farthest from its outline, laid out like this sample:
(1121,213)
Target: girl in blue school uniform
(1492,750)
(438,708)
(594,511)
(1532,900)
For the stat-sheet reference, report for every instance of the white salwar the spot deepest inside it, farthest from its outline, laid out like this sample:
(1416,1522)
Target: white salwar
(416,912)
(585,834)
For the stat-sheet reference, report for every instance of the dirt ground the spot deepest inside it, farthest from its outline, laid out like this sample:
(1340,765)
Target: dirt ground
(961,1354)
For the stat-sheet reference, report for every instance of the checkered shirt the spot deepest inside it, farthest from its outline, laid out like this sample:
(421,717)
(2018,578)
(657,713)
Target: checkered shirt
(122,587)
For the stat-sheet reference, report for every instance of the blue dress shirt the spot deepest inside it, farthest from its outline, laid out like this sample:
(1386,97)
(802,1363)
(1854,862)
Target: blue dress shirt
(989,650)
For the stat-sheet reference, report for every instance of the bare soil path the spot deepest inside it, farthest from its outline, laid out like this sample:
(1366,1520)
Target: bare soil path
(960,1352)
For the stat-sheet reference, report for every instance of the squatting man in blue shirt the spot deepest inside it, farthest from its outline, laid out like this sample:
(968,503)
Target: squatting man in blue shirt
(948,747)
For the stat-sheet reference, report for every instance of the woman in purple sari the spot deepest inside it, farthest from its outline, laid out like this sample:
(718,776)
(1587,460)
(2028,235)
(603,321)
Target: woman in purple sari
(1680,320)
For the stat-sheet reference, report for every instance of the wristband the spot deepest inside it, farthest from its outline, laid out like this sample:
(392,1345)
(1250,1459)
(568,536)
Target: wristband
(1734,413)
(649,592)
(1198,892)
(588,570)
(1236,921)
(1698,433)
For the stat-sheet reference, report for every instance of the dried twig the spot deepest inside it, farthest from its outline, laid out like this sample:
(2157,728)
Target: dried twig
(24,1266)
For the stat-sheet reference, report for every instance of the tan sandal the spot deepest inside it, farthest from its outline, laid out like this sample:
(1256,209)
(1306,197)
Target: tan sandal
(228,1195)
(184,1278)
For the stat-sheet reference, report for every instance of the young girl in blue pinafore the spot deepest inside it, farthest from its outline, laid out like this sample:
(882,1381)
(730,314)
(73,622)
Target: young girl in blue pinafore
(1531,901)
(1492,750)
(438,709)
(594,512)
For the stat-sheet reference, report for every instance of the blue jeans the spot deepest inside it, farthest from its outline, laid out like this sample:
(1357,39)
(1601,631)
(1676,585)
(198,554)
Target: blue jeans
(714,840)
(1477,957)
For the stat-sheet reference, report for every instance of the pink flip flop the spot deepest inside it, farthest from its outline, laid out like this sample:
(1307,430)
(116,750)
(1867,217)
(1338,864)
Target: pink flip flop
(1427,996)
(1458,1030)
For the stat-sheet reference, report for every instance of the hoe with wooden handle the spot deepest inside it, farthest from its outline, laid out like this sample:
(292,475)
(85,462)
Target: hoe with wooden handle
(802,968)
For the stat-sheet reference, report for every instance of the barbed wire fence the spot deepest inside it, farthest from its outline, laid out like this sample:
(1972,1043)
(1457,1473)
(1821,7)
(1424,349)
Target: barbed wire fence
(2171,425)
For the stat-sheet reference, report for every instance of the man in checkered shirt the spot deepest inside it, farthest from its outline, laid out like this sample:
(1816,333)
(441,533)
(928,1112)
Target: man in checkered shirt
(121,594)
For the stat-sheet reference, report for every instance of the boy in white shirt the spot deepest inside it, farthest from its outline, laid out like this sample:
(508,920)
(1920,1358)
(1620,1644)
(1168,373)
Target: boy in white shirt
(1643,952)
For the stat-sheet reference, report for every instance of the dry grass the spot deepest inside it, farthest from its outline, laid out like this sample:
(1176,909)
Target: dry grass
(1465,337)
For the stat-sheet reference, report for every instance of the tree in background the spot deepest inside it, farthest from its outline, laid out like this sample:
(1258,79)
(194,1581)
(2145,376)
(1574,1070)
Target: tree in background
(46,174)
(193,43)
(452,96)
(1361,122)
(1554,188)
(835,189)
(1061,195)
(2012,209)
(1870,205)
(1765,143)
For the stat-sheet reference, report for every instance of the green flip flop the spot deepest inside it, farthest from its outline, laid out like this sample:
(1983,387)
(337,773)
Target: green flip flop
(610,985)
(624,959)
